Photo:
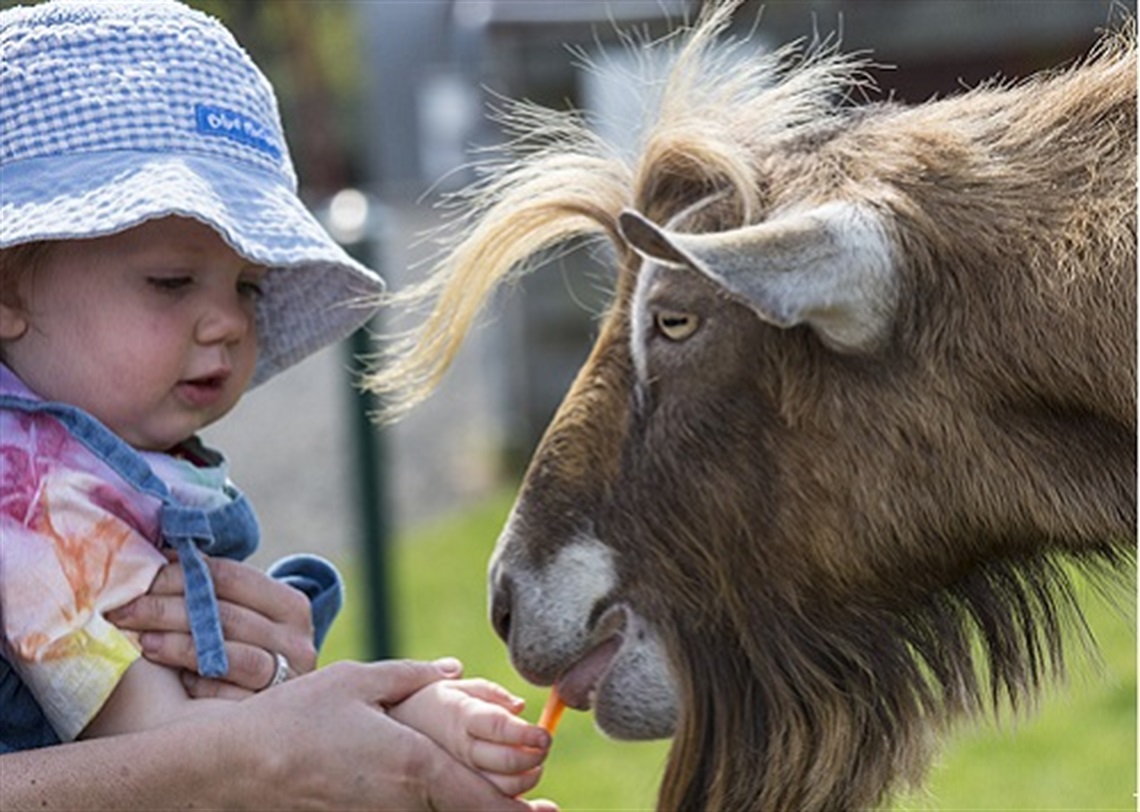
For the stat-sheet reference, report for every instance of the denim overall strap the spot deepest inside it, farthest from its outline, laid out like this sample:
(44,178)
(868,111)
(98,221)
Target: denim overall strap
(230,530)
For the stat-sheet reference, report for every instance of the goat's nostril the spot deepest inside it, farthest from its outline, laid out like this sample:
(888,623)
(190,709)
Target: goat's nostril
(501,608)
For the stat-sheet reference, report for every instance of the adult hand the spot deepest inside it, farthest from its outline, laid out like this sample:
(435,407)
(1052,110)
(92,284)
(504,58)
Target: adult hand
(260,617)
(322,741)
(331,744)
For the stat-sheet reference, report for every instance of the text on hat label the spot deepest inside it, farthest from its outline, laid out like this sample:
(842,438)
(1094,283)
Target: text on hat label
(237,127)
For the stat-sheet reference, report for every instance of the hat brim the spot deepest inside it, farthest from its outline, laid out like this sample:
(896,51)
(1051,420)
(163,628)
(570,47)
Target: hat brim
(317,293)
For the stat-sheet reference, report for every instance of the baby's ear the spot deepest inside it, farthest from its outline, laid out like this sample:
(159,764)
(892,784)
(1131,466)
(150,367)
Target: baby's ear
(13,322)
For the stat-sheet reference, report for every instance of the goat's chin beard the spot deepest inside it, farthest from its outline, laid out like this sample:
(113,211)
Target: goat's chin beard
(637,698)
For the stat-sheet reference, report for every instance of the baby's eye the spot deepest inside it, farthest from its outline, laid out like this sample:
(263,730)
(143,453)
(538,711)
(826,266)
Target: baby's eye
(169,283)
(250,288)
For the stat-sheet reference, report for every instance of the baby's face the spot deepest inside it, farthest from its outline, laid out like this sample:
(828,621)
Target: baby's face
(151,330)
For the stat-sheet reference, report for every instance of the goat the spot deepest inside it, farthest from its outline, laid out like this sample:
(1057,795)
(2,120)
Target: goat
(862,403)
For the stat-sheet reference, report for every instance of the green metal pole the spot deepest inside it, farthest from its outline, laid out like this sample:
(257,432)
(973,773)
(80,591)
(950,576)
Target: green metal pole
(373,523)
(356,221)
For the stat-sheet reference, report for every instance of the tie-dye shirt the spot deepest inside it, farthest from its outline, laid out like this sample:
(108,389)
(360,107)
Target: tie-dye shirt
(77,540)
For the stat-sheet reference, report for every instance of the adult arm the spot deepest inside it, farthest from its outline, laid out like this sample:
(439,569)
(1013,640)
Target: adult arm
(322,741)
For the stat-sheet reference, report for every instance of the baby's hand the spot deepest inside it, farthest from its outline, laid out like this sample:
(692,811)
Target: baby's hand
(477,722)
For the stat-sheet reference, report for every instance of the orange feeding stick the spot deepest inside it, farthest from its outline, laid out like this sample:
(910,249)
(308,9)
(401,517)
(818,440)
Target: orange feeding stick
(551,712)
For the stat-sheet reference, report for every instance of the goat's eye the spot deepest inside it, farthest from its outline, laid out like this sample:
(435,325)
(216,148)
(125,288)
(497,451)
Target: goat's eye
(676,326)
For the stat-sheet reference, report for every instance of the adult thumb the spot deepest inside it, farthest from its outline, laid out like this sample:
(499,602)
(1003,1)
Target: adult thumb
(393,681)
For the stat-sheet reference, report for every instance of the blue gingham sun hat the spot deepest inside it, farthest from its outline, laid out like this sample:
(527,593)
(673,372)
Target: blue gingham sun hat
(115,113)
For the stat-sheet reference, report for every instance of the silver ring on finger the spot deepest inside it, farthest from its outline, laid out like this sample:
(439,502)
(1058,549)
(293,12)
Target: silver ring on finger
(280,670)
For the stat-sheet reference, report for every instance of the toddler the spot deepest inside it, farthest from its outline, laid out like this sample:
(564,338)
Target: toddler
(155,262)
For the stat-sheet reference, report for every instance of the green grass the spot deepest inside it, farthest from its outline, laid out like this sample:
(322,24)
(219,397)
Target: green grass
(1077,753)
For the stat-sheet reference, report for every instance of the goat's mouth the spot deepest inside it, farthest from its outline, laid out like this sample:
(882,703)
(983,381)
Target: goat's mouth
(579,684)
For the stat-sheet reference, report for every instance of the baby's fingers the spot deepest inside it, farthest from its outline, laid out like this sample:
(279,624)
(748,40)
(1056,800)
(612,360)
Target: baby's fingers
(497,758)
(490,692)
(495,726)
(515,785)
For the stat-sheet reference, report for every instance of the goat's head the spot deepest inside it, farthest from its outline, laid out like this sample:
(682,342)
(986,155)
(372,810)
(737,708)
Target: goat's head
(860,389)
(658,493)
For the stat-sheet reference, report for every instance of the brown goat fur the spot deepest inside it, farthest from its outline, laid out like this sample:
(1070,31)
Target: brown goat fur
(842,551)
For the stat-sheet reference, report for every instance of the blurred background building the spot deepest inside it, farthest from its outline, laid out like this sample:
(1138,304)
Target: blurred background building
(435,66)
(390,97)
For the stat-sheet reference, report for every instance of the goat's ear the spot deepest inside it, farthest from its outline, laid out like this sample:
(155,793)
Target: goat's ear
(831,267)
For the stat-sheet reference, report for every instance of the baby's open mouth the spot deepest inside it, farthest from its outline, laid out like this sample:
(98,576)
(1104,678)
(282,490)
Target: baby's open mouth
(203,390)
